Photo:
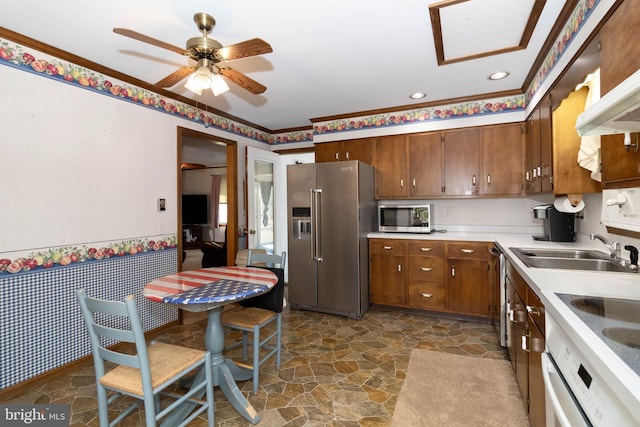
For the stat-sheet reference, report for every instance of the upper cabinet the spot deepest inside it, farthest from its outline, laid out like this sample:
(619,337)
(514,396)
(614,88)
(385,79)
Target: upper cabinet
(468,162)
(462,162)
(391,167)
(425,164)
(618,60)
(502,159)
(336,151)
(538,168)
(570,177)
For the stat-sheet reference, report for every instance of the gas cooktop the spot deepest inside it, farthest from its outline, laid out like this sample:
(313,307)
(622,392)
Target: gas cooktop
(616,321)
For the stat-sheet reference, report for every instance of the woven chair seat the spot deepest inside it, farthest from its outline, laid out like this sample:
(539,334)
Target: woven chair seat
(247,317)
(165,362)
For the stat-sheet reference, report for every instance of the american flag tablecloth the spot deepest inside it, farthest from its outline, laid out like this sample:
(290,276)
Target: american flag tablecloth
(210,286)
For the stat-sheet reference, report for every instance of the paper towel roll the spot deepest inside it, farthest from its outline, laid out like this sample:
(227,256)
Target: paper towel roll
(563,204)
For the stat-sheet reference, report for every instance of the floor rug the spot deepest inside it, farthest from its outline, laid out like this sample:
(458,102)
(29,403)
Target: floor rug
(443,389)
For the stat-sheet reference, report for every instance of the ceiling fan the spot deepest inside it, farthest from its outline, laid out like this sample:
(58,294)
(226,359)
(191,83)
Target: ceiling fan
(208,53)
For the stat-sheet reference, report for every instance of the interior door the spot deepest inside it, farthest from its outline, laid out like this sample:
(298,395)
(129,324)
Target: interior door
(262,168)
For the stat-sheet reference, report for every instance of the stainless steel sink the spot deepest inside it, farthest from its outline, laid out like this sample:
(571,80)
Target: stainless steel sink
(570,260)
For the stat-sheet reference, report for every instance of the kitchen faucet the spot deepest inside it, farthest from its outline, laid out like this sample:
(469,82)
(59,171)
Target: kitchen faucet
(614,247)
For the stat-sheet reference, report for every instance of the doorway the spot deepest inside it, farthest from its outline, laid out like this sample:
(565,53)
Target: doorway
(188,138)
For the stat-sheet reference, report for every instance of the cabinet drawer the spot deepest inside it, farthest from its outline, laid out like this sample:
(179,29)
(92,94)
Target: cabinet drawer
(426,248)
(426,295)
(468,250)
(426,269)
(387,247)
(535,308)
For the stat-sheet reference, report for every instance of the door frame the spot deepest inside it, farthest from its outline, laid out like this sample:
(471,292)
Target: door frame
(232,189)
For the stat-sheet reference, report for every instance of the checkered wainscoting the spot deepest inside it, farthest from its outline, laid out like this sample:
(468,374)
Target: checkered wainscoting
(41,326)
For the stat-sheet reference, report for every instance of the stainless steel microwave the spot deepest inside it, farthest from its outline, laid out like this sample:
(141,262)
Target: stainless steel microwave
(405,218)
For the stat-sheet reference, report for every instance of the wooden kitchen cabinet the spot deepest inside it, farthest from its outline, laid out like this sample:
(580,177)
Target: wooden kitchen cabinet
(387,276)
(414,274)
(569,176)
(426,163)
(619,60)
(426,287)
(468,281)
(391,167)
(462,162)
(502,159)
(526,344)
(538,162)
(535,344)
(336,151)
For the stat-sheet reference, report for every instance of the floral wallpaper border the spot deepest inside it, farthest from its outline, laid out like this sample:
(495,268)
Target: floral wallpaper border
(575,22)
(69,255)
(439,113)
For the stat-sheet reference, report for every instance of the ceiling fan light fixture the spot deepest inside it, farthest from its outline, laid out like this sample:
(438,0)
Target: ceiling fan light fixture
(218,85)
(200,80)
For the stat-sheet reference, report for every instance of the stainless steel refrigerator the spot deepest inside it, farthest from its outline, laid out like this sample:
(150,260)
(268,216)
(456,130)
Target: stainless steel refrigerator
(331,208)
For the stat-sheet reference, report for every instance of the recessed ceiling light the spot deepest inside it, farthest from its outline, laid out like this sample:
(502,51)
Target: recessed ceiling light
(417,95)
(499,75)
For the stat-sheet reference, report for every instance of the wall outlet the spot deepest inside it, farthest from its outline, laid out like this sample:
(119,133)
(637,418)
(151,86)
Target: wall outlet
(162,205)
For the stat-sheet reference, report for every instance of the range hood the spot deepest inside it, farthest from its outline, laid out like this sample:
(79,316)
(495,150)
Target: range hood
(616,112)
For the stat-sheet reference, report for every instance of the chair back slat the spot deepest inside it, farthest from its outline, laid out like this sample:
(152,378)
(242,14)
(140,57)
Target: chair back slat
(131,360)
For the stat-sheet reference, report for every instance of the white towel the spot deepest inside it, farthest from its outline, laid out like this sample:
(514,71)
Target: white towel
(589,154)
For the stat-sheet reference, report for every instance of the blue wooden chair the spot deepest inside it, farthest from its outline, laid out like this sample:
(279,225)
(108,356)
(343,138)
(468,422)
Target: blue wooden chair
(256,313)
(148,373)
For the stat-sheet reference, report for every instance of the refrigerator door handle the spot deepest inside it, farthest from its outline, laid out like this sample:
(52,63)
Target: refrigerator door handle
(316,220)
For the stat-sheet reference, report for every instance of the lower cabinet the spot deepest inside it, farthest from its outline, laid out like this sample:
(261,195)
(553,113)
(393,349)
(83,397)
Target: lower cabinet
(526,344)
(443,276)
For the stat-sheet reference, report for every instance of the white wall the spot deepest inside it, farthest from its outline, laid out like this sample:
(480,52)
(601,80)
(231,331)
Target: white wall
(80,167)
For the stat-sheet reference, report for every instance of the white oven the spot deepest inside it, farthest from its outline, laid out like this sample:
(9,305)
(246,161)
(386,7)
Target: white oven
(562,408)
(576,394)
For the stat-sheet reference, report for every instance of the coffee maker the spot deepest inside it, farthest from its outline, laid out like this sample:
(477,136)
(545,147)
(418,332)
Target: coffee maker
(558,226)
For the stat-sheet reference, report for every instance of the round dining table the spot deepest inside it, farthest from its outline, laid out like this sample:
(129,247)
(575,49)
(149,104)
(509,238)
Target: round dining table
(210,289)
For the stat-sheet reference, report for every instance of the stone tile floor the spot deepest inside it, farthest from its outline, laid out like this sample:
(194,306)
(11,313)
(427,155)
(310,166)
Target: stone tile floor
(335,371)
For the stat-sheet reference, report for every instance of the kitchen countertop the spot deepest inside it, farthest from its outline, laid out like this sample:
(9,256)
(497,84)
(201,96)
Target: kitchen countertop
(622,380)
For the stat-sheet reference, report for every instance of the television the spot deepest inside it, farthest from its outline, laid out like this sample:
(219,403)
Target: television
(195,209)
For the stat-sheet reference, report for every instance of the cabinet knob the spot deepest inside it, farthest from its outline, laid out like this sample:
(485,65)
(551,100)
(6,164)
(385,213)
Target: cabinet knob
(467,251)
(337,156)
(453,271)
(401,183)
(533,310)
(387,248)
(488,179)
(399,268)
(425,295)
(426,268)
(347,155)
(473,180)
(413,182)
(426,249)
(525,342)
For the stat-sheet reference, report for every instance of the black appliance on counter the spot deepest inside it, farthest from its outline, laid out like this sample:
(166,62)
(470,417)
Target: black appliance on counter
(558,226)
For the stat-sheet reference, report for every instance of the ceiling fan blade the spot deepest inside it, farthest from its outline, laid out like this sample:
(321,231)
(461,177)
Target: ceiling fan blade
(175,77)
(244,49)
(243,81)
(146,39)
